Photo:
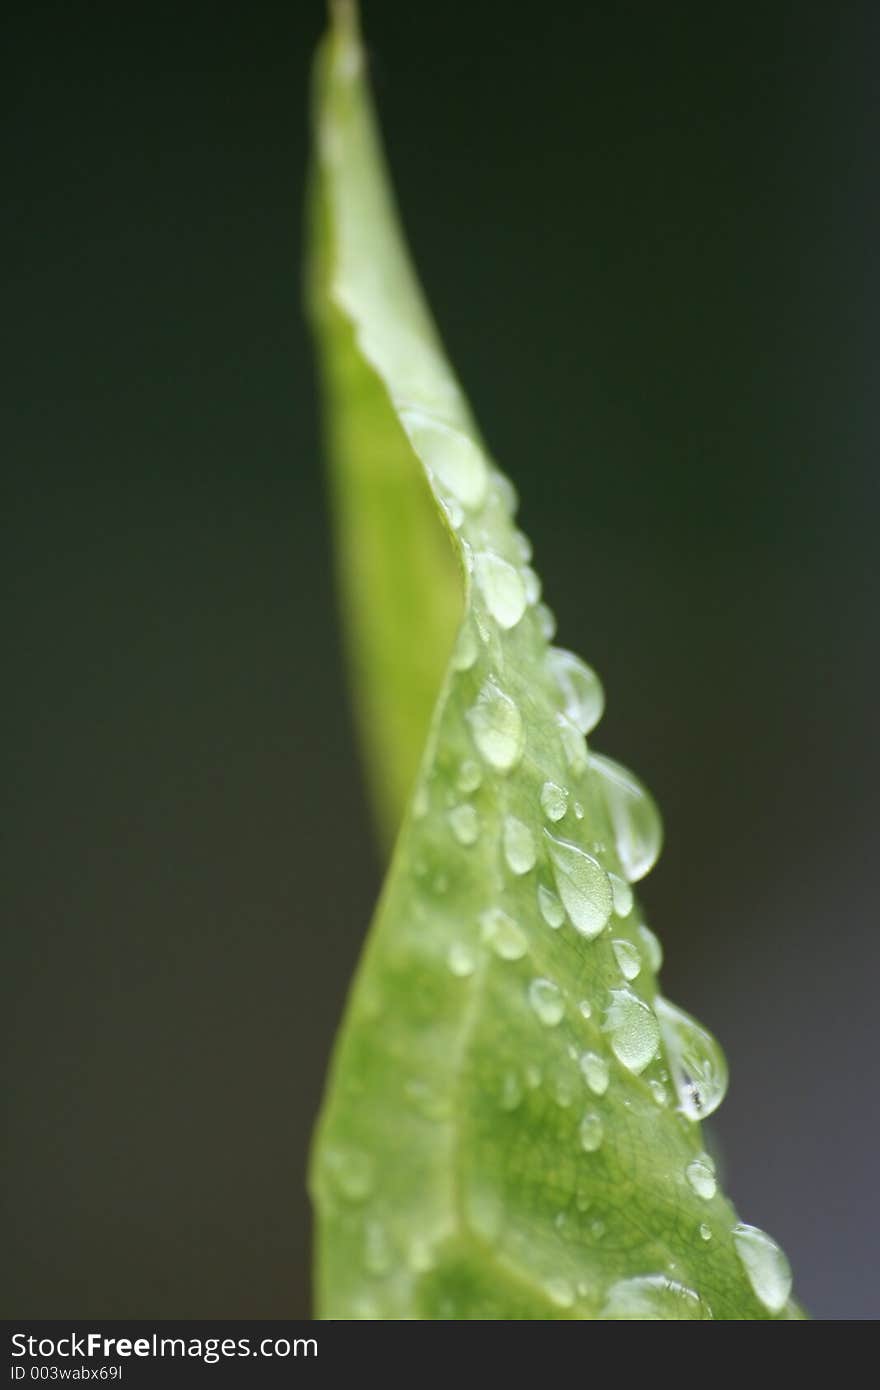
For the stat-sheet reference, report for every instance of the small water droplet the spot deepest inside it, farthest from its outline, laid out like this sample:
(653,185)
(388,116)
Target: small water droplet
(519,846)
(531,584)
(597,1227)
(550,907)
(497,727)
(582,884)
(523,545)
(705,1231)
(591,1132)
(582,697)
(511,1091)
(461,960)
(653,1298)
(554,801)
(546,622)
(502,587)
(456,461)
(547,1002)
(466,649)
(628,959)
(585,1008)
(700,1174)
(560,1292)
(506,492)
(454,512)
(651,946)
(465,824)
(765,1264)
(574,744)
(502,934)
(659,1092)
(633,1029)
(469,776)
(698,1066)
(596,1072)
(578,810)
(564,1089)
(638,830)
(622,894)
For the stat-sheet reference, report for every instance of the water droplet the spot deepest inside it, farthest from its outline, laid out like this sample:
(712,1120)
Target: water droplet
(466,649)
(506,492)
(578,810)
(523,545)
(638,831)
(546,622)
(461,960)
(547,1002)
(497,727)
(469,776)
(768,1271)
(502,587)
(653,1298)
(582,697)
(597,1227)
(502,934)
(582,884)
(700,1174)
(454,513)
(554,801)
(377,1251)
(519,846)
(596,1072)
(622,894)
(457,462)
(705,1231)
(628,959)
(633,1029)
(591,1132)
(351,1172)
(560,1292)
(651,946)
(698,1066)
(564,1089)
(550,907)
(531,584)
(511,1091)
(465,824)
(573,744)
(659,1092)
(585,1009)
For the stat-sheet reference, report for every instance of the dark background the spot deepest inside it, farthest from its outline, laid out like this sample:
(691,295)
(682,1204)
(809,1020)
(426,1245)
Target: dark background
(649,236)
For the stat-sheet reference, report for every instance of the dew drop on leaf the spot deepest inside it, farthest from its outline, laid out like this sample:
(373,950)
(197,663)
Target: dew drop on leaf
(547,1002)
(638,831)
(574,745)
(651,946)
(628,959)
(700,1174)
(579,687)
(554,801)
(465,824)
(502,934)
(519,846)
(461,960)
(632,1028)
(653,1298)
(596,1072)
(698,1066)
(591,1132)
(497,727)
(503,588)
(550,907)
(582,884)
(453,458)
(765,1264)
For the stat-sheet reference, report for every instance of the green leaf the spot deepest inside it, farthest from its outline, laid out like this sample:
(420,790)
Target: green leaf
(511,1126)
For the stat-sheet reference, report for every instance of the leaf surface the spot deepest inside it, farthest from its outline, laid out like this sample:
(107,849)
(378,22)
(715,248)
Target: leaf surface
(511,1125)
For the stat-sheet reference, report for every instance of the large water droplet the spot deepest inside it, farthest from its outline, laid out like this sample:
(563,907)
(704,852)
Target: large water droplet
(497,727)
(502,934)
(623,895)
(700,1174)
(653,1298)
(554,801)
(531,584)
(551,908)
(698,1066)
(582,697)
(638,831)
(596,1072)
(502,587)
(633,1029)
(628,959)
(591,1132)
(582,884)
(519,846)
(465,824)
(455,459)
(547,1002)
(466,648)
(768,1270)
(651,946)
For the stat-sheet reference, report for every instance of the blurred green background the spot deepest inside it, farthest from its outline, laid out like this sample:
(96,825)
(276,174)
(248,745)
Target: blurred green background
(648,234)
